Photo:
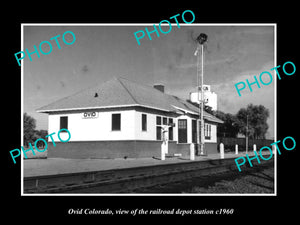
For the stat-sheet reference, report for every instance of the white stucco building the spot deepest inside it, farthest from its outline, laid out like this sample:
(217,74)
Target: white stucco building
(121,118)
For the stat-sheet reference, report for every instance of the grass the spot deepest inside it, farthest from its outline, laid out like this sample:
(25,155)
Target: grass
(258,182)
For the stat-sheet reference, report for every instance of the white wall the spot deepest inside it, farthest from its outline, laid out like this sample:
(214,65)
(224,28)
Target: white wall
(189,128)
(99,129)
(150,133)
(94,129)
(213,138)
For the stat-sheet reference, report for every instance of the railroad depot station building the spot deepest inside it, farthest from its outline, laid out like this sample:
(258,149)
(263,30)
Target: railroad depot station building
(120,118)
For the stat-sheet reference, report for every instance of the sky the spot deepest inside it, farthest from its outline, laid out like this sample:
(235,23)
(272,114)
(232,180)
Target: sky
(232,54)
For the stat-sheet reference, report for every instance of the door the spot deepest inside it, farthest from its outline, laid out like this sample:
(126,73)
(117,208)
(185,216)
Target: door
(182,131)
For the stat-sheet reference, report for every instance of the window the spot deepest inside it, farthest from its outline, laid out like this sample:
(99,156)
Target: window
(207,131)
(170,130)
(158,120)
(158,133)
(116,121)
(182,124)
(158,128)
(182,131)
(63,122)
(194,131)
(165,121)
(144,122)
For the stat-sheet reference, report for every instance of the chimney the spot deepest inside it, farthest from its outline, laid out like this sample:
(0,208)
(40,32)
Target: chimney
(159,87)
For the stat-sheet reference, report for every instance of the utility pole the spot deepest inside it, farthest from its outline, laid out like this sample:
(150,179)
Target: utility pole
(201,39)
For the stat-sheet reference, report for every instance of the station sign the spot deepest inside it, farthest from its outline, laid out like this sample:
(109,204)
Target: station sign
(89,115)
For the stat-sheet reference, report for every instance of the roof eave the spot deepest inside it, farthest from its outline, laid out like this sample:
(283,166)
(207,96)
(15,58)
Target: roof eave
(122,106)
(98,107)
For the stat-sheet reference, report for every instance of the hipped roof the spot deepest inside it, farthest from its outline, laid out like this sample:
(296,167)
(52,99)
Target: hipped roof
(120,92)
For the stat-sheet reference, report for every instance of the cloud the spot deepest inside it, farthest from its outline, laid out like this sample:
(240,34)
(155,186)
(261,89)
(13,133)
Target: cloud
(230,102)
(62,84)
(226,89)
(85,69)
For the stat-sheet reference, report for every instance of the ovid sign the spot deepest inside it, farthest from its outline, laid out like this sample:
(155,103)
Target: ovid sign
(89,115)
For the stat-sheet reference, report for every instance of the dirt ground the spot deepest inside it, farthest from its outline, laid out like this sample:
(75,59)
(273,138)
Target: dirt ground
(258,182)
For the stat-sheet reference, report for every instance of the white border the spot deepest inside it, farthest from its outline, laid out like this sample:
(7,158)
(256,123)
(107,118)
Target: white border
(22,111)
(150,24)
(275,109)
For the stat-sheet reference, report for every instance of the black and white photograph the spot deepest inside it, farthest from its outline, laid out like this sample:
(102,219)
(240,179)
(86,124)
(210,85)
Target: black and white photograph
(147,112)
(180,113)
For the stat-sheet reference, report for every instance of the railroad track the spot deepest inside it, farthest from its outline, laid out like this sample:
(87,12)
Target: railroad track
(129,179)
(187,186)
